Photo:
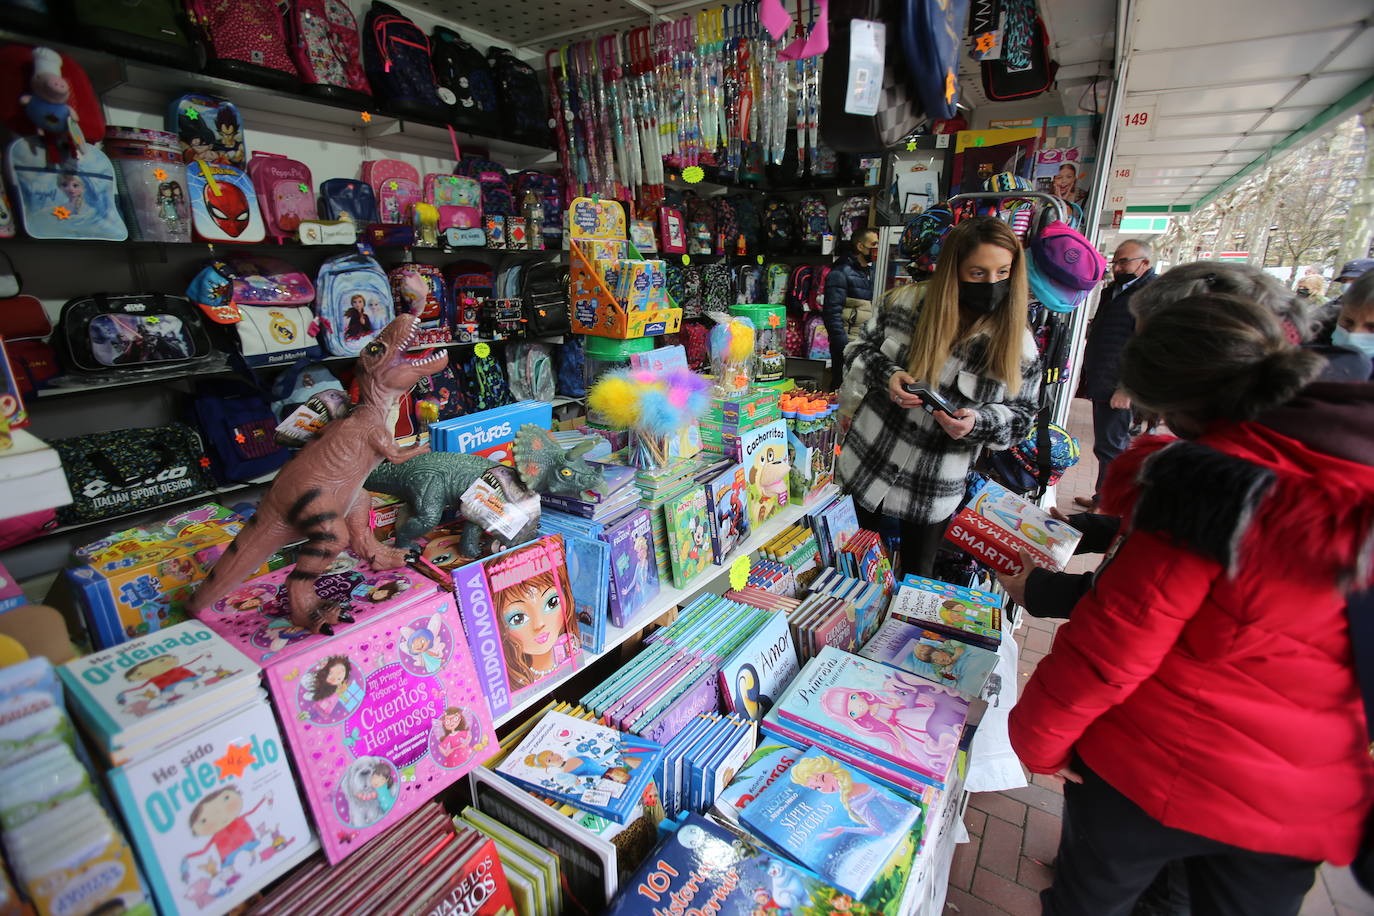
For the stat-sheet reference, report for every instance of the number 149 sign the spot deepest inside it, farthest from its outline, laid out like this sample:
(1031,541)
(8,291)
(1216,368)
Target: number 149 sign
(1137,119)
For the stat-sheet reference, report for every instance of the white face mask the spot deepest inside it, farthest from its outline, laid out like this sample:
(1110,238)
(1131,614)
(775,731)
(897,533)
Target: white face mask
(1362,342)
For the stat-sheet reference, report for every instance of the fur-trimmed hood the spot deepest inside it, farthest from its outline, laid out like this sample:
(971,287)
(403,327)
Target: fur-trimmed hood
(1294,490)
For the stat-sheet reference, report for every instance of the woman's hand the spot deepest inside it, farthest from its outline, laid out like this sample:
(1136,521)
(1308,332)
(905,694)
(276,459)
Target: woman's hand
(959,425)
(1068,774)
(900,396)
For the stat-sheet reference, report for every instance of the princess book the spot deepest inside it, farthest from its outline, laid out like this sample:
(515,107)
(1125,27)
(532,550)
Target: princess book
(932,655)
(254,618)
(216,816)
(520,618)
(878,710)
(962,613)
(997,524)
(833,819)
(382,717)
(583,764)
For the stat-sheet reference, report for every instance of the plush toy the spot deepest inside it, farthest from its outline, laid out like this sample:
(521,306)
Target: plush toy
(45,92)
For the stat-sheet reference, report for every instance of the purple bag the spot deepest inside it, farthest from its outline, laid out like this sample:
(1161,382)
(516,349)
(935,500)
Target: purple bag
(1064,256)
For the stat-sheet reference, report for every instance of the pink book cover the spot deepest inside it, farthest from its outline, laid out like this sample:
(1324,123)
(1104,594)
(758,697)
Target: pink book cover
(253,617)
(381,718)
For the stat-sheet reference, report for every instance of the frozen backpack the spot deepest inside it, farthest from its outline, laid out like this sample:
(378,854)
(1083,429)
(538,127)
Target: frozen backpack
(814,217)
(525,109)
(72,198)
(776,280)
(424,283)
(396,60)
(854,216)
(266,304)
(325,46)
(224,206)
(348,198)
(779,227)
(817,339)
(210,129)
(285,193)
(466,83)
(353,301)
(549,190)
(457,198)
(396,185)
(245,40)
(497,199)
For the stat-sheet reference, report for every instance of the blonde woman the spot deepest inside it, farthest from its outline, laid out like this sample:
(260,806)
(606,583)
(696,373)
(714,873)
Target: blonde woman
(962,336)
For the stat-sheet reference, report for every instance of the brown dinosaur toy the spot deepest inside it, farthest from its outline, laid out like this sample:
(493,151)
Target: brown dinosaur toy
(318,495)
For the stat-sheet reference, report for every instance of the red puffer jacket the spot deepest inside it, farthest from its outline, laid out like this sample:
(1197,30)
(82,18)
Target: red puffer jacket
(1208,676)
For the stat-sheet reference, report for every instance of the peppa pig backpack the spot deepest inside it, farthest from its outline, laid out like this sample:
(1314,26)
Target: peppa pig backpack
(324,43)
(285,193)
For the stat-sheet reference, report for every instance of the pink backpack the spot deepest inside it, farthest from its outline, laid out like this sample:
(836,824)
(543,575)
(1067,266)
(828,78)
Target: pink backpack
(324,43)
(285,193)
(245,40)
(397,187)
(817,338)
(794,336)
(458,200)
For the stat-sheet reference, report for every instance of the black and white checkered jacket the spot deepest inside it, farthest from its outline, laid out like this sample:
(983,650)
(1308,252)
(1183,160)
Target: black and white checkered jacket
(901,462)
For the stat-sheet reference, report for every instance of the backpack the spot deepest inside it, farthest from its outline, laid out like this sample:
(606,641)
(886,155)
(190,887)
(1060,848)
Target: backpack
(854,215)
(268,304)
(794,335)
(717,288)
(445,392)
(801,291)
(922,236)
(777,284)
(549,190)
(74,198)
(348,198)
(396,60)
(1003,81)
(750,227)
(466,82)
(224,206)
(496,195)
(325,45)
(297,384)
(353,301)
(1018,466)
(470,283)
(209,128)
(529,369)
(245,40)
(285,193)
(486,386)
(151,30)
(544,298)
(396,185)
(816,338)
(151,180)
(458,200)
(570,362)
(895,112)
(727,225)
(779,227)
(701,224)
(102,333)
(814,217)
(816,302)
(932,36)
(749,289)
(684,287)
(522,97)
(239,429)
(696,336)
(436,311)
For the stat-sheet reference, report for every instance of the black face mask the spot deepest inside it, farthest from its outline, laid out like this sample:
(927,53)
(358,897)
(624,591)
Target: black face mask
(983,298)
(1122,278)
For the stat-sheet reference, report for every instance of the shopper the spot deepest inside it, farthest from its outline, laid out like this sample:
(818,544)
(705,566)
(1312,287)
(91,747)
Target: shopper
(962,335)
(1112,326)
(1355,323)
(1201,703)
(848,303)
(1350,272)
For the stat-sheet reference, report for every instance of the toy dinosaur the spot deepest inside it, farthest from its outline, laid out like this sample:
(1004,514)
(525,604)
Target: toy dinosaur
(435,482)
(318,495)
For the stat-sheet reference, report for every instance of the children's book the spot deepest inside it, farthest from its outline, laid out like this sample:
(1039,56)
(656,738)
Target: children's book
(634,571)
(833,819)
(768,763)
(877,710)
(997,524)
(254,616)
(521,621)
(755,674)
(727,501)
(473,884)
(589,577)
(963,613)
(835,525)
(931,655)
(380,718)
(216,817)
(595,768)
(763,454)
(689,539)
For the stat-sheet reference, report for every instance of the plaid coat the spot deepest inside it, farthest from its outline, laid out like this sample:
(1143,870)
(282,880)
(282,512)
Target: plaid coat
(901,462)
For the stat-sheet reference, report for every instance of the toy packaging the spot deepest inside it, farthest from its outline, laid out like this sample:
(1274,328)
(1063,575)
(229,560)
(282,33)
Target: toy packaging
(489,433)
(997,524)
(215,817)
(519,616)
(381,717)
(931,655)
(964,614)
(763,453)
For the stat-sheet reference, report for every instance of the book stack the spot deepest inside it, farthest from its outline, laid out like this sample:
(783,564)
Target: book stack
(489,433)
(796,548)
(823,619)
(953,611)
(600,446)
(701,760)
(66,853)
(532,872)
(759,597)
(997,525)
(902,730)
(864,557)
(728,419)
(935,656)
(774,576)
(868,597)
(835,524)
(427,865)
(727,501)
(201,774)
(658,489)
(755,674)
(635,579)
(769,762)
(614,498)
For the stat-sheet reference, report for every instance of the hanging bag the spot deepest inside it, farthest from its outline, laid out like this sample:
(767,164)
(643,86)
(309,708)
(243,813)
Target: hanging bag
(353,300)
(1006,81)
(522,98)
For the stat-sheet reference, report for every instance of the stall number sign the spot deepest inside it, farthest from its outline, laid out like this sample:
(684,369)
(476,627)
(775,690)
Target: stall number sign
(1137,119)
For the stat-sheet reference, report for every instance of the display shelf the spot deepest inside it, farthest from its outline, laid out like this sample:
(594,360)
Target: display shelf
(670,598)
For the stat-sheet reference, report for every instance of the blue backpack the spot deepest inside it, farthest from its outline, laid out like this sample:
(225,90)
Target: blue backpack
(353,301)
(239,428)
(932,34)
(569,360)
(396,58)
(351,197)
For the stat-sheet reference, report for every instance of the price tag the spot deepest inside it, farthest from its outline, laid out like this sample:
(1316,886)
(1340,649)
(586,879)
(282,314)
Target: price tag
(760,260)
(867,41)
(739,572)
(482,350)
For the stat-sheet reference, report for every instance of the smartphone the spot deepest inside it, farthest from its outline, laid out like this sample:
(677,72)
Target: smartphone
(930,401)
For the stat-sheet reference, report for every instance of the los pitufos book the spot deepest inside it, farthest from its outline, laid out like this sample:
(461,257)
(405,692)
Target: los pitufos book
(997,524)
(215,817)
(932,655)
(878,711)
(380,718)
(833,819)
(961,613)
(520,618)
(755,673)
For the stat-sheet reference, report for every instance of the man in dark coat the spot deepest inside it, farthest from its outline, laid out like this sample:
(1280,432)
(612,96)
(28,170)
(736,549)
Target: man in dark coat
(1112,326)
(850,279)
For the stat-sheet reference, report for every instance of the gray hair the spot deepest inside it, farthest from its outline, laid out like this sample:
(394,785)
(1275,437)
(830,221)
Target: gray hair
(1242,280)
(1360,294)
(1146,251)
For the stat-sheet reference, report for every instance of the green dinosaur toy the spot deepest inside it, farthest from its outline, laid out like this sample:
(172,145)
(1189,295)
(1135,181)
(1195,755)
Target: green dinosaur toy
(435,482)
